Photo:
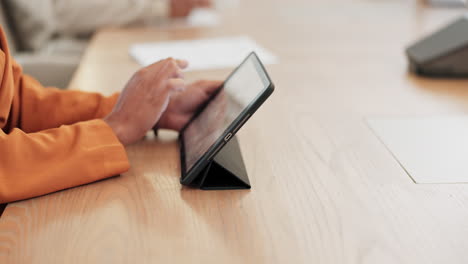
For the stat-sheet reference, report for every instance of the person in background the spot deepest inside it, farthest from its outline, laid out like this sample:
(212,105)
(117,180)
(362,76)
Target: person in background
(39,21)
(54,139)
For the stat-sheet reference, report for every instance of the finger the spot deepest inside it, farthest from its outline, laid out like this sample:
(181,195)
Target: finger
(182,63)
(209,86)
(178,74)
(179,62)
(156,64)
(176,85)
(171,68)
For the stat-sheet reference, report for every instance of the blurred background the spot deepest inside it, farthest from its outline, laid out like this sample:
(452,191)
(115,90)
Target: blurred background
(48,37)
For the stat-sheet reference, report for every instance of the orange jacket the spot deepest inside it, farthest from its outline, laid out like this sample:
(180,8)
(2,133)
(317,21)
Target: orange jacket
(51,139)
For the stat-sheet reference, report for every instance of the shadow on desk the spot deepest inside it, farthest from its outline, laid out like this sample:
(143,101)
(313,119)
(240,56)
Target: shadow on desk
(441,86)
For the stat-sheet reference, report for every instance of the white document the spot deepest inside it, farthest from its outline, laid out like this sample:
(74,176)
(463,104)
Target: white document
(431,150)
(202,54)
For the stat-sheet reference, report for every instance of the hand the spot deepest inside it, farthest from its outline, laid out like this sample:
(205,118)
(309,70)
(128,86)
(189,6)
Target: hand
(182,8)
(184,104)
(145,97)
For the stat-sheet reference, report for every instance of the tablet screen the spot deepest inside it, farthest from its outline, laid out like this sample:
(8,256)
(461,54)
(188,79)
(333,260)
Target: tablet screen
(239,91)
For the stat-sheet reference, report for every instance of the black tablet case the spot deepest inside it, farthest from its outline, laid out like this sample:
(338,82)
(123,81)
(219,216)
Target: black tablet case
(225,171)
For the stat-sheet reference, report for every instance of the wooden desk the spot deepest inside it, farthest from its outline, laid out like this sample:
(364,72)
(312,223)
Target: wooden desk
(325,190)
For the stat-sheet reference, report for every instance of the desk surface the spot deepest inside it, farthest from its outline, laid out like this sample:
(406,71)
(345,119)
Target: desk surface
(325,190)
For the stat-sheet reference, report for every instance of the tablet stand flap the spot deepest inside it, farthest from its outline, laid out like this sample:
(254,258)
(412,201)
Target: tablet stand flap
(227,170)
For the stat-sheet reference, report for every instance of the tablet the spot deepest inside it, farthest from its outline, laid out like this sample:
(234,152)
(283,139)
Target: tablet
(217,121)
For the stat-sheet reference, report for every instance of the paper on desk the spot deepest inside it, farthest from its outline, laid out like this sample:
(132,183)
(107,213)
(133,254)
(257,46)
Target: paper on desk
(431,150)
(202,54)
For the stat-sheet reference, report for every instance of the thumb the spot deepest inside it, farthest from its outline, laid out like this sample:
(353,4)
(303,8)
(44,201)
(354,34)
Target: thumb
(209,86)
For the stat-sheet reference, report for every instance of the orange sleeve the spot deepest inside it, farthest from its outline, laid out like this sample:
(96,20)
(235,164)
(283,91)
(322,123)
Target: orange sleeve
(39,163)
(43,145)
(43,108)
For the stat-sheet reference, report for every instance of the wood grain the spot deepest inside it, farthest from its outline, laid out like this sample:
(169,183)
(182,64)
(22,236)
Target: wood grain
(325,190)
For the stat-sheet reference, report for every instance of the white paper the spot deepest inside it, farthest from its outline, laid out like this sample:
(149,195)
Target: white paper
(431,150)
(202,54)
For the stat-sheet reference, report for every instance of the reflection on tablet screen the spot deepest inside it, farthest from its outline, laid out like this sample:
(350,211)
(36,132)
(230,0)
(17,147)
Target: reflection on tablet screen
(238,92)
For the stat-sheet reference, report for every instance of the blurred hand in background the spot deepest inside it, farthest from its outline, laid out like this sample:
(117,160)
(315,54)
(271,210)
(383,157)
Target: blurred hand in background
(182,8)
